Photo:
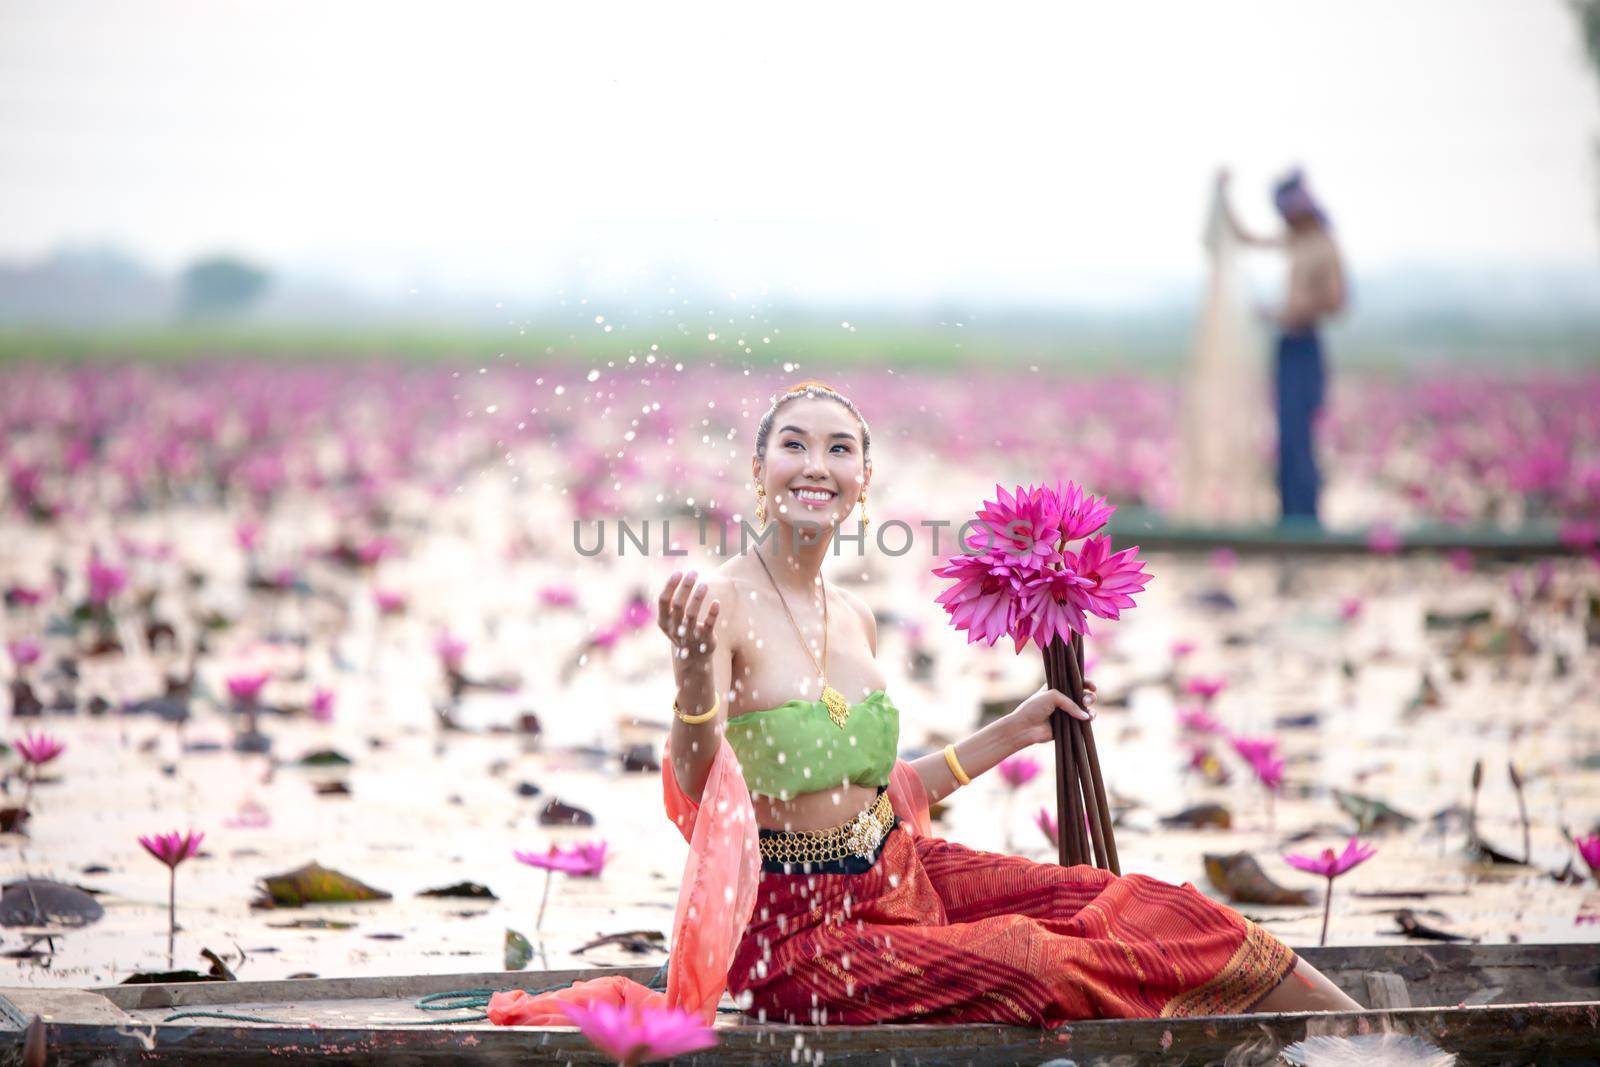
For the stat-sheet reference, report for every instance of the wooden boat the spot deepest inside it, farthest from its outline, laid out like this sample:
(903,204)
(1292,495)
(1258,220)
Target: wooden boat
(1486,1003)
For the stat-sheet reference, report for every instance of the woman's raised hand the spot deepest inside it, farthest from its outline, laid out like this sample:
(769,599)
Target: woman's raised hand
(677,609)
(1033,715)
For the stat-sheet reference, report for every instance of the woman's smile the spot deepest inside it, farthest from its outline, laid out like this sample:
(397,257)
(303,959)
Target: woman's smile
(816,499)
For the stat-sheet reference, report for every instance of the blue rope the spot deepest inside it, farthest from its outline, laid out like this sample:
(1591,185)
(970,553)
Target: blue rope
(475,1001)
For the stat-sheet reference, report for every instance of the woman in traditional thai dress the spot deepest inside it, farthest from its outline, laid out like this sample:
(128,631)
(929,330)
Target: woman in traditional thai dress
(858,914)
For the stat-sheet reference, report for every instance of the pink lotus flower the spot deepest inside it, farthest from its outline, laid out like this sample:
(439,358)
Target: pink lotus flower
(1183,649)
(584,860)
(638,614)
(1331,865)
(1224,560)
(1461,560)
(1051,606)
(105,580)
(1112,578)
(558,596)
(452,651)
(322,704)
(24,653)
(642,1034)
(1199,720)
(1018,770)
(1589,849)
(605,636)
(24,596)
(389,603)
(38,749)
(1205,688)
(246,688)
(1254,749)
(372,550)
(984,599)
(1081,513)
(172,848)
(1047,825)
(1384,539)
(248,535)
(1020,529)
(1350,609)
(1269,772)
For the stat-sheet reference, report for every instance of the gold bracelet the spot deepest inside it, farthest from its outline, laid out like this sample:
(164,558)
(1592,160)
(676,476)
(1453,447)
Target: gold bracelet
(702,717)
(955,765)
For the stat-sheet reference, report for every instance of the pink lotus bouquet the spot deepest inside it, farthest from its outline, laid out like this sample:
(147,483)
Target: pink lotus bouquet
(1036,570)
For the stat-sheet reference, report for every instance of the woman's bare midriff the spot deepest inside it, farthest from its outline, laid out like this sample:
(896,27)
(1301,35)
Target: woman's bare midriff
(822,810)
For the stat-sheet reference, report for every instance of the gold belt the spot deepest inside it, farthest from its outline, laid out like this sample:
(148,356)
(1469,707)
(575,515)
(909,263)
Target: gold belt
(858,837)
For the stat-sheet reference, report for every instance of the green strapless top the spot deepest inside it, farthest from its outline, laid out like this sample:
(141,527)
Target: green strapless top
(795,747)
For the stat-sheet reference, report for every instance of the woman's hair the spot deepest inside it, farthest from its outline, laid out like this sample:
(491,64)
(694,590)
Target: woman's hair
(810,388)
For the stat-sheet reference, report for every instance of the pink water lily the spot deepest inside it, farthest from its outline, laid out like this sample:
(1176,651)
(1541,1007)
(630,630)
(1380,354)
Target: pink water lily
(1199,720)
(38,749)
(172,849)
(1589,849)
(24,653)
(105,580)
(1051,606)
(1254,749)
(1110,578)
(1205,688)
(1081,513)
(984,599)
(389,603)
(246,688)
(24,596)
(639,614)
(1331,865)
(451,650)
(558,596)
(584,860)
(321,707)
(1022,528)
(640,1035)
(1018,770)
(1183,649)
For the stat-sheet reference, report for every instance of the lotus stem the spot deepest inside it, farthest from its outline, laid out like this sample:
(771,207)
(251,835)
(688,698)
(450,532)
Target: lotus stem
(549,876)
(1327,906)
(1522,809)
(172,914)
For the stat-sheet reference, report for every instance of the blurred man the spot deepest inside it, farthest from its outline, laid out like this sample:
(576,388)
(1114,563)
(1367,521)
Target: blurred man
(1316,289)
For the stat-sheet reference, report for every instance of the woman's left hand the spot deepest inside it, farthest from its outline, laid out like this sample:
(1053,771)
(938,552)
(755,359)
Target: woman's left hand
(1032,716)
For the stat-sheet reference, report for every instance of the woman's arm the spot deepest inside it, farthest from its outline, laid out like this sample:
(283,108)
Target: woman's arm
(702,667)
(1028,724)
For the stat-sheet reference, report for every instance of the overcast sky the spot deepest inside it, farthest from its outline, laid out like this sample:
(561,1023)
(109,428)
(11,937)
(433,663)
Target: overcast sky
(873,149)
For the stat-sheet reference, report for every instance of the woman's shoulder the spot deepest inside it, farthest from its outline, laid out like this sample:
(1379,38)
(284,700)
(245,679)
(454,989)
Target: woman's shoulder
(868,620)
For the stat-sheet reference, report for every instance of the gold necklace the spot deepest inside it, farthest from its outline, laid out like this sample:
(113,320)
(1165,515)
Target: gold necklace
(838,707)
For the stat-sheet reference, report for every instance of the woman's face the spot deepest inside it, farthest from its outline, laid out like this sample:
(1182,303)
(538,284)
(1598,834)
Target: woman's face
(815,444)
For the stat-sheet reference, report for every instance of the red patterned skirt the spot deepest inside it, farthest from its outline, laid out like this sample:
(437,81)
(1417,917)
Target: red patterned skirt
(935,932)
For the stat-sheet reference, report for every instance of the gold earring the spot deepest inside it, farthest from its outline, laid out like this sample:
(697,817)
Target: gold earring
(863,511)
(761,506)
